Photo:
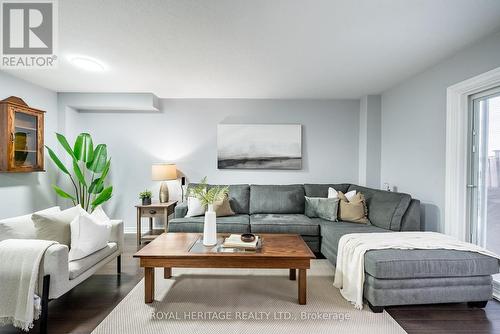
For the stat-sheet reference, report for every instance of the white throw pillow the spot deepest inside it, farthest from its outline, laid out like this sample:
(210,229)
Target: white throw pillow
(100,214)
(350,194)
(332,193)
(56,225)
(88,235)
(194,207)
(21,227)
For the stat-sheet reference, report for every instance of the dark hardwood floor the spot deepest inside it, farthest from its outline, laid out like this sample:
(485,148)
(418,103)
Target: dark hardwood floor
(84,307)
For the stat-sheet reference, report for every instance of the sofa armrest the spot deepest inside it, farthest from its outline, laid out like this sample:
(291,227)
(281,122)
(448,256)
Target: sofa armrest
(55,264)
(180,210)
(411,218)
(117,234)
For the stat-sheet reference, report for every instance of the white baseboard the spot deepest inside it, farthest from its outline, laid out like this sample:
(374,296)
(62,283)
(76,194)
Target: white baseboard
(130,230)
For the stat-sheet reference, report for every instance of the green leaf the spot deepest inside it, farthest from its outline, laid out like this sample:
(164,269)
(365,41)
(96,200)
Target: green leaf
(96,186)
(213,194)
(64,143)
(105,171)
(57,161)
(100,158)
(62,193)
(103,197)
(78,173)
(84,149)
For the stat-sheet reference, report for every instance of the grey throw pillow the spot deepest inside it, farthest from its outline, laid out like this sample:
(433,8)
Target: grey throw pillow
(319,207)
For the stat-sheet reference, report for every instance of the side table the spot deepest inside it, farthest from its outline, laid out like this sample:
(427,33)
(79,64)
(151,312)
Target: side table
(157,209)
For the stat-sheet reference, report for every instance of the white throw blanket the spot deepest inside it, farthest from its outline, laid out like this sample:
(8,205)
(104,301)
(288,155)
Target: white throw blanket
(350,268)
(19,263)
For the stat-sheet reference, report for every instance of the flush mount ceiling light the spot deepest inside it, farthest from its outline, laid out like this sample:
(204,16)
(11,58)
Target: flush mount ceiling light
(87,63)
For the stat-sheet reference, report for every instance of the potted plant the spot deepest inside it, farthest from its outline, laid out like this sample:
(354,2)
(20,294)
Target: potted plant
(145,196)
(207,199)
(88,171)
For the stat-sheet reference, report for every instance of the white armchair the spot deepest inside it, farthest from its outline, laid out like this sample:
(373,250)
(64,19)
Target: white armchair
(57,275)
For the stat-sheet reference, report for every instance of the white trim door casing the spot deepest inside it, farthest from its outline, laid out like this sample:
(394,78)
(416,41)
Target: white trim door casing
(457,118)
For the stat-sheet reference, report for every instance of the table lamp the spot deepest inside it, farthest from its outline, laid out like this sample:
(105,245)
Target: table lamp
(163,172)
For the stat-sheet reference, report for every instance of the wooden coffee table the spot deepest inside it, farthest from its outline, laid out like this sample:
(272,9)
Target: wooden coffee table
(170,250)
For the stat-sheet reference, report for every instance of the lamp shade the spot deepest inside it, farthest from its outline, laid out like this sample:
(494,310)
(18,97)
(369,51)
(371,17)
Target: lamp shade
(163,172)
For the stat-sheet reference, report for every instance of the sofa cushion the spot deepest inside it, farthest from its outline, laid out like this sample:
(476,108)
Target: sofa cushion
(422,263)
(230,224)
(277,199)
(385,208)
(331,232)
(78,267)
(321,190)
(283,223)
(239,197)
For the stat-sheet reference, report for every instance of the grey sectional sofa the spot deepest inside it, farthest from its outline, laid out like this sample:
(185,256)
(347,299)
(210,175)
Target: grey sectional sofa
(392,277)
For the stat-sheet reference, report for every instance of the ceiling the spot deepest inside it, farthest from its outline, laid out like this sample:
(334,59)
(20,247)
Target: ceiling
(259,48)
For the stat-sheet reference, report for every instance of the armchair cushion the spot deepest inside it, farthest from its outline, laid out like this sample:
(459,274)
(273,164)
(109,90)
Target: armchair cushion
(117,234)
(56,226)
(77,267)
(21,227)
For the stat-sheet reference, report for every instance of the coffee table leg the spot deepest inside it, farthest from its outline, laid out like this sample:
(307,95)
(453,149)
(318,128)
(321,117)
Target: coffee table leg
(149,284)
(167,272)
(302,286)
(292,274)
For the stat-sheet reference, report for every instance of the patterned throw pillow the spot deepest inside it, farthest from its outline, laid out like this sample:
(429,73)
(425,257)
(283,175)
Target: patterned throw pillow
(223,208)
(353,210)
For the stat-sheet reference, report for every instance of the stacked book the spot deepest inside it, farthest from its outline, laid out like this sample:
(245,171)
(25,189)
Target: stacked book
(234,241)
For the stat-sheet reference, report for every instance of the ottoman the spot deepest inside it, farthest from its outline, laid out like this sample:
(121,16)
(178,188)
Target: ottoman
(408,277)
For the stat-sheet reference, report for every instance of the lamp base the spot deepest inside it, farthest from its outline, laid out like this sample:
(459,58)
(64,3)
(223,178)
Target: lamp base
(163,192)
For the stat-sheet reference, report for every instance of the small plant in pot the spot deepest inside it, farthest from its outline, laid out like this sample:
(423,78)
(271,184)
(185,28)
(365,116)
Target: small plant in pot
(145,196)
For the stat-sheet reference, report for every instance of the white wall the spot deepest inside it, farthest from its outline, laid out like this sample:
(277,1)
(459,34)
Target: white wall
(369,140)
(26,192)
(413,126)
(184,132)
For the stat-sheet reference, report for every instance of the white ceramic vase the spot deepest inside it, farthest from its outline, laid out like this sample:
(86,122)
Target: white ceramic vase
(210,227)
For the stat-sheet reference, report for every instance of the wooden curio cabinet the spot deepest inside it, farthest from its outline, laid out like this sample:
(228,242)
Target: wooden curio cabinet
(21,137)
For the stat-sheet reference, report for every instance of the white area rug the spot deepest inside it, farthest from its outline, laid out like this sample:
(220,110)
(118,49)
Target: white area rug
(243,301)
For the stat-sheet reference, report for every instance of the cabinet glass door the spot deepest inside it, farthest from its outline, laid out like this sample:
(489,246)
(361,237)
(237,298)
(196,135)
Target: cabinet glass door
(25,139)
